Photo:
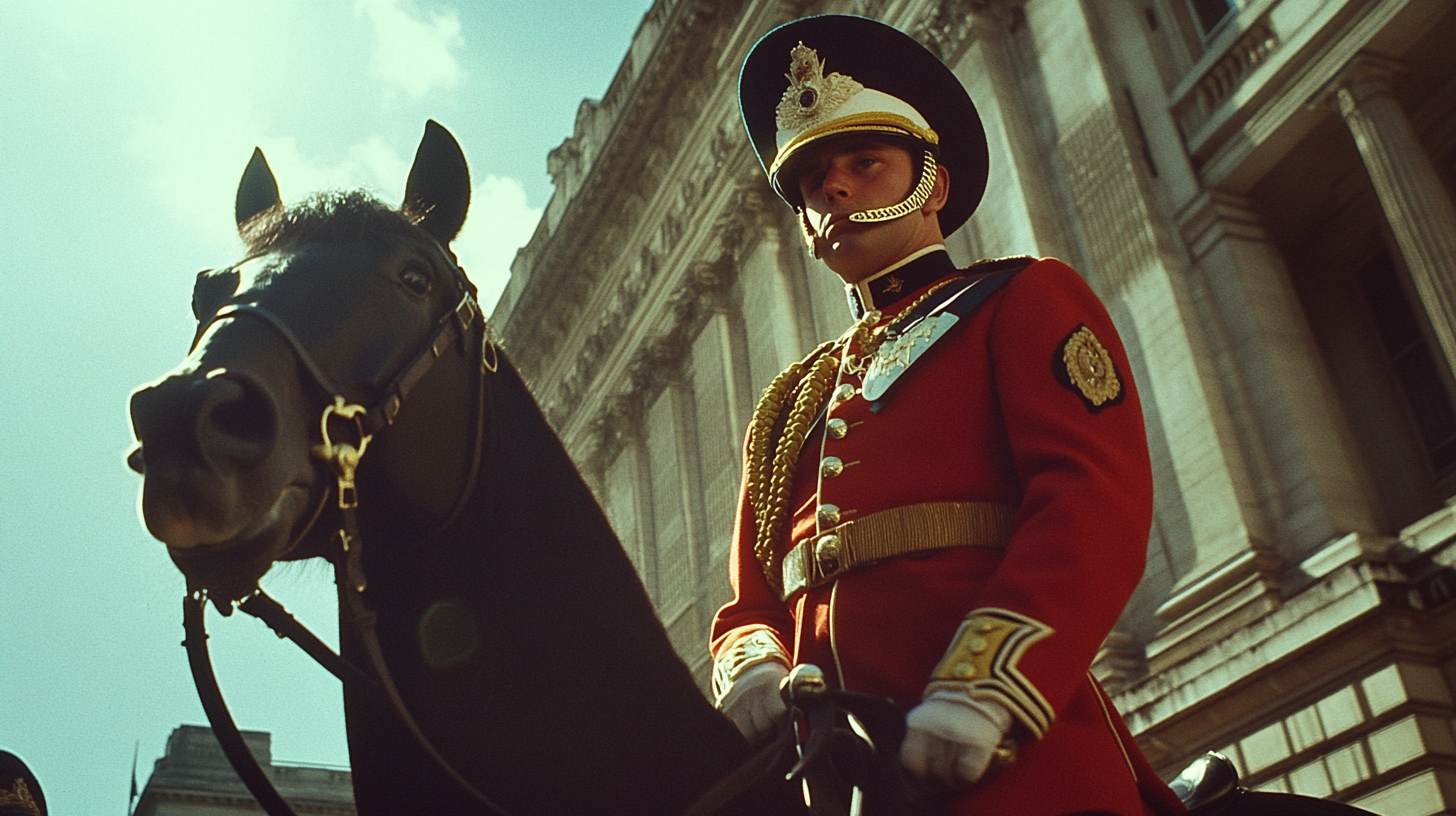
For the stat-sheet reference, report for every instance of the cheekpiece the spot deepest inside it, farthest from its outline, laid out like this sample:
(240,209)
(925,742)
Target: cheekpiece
(811,95)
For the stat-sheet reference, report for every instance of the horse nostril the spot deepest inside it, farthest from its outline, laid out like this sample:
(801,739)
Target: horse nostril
(235,420)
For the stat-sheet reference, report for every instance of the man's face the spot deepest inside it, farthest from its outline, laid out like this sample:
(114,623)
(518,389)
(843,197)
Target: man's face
(858,173)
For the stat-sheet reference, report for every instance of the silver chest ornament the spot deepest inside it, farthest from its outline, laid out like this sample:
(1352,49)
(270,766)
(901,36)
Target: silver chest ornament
(896,354)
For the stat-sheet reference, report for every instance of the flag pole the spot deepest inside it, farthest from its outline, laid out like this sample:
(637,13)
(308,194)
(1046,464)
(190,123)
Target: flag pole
(134,750)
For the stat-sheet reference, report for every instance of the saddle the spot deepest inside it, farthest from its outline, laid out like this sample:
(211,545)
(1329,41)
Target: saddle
(849,764)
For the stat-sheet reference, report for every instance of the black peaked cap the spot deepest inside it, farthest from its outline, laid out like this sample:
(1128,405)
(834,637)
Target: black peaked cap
(884,59)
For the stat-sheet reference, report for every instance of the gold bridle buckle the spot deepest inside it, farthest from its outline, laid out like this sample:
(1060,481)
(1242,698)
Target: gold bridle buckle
(342,456)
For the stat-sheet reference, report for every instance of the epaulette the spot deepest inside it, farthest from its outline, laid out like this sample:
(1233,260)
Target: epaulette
(988,265)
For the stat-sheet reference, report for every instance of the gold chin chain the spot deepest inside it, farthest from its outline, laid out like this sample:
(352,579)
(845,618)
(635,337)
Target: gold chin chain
(801,389)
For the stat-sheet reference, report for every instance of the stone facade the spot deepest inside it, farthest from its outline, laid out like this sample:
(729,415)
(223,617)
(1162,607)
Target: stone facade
(1261,192)
(194,779)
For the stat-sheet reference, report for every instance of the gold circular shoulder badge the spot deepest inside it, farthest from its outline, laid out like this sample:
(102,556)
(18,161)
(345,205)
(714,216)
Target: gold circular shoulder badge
(1089,369)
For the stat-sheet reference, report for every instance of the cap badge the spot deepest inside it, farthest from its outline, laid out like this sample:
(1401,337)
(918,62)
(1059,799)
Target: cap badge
(811,95)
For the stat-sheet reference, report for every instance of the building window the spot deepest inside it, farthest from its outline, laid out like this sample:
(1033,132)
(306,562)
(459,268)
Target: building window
(1410,361)
(1209,13)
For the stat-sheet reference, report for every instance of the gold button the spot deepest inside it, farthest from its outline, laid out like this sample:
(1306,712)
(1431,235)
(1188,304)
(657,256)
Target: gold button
(983,626)
(831,467)
(844,392)
(978,645)
(826,552)
(965,670)
(838,428)
(828,515)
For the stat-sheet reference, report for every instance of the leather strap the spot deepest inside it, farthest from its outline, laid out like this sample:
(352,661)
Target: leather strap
(269,611)
(745,776)
(239,755)
(349,574)
(891,533)
(451,327)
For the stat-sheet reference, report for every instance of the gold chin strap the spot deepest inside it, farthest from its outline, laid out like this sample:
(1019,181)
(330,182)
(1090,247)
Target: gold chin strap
(913,202)
(809,234)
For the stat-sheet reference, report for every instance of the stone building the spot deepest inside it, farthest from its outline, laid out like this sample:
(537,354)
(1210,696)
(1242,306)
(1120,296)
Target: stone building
(194,779)
(1261,192)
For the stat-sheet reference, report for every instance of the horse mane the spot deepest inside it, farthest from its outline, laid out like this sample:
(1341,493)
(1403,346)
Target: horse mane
(339,216)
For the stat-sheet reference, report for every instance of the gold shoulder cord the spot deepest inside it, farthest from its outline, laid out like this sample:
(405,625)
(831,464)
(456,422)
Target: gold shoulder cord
(771,461)
(802,387)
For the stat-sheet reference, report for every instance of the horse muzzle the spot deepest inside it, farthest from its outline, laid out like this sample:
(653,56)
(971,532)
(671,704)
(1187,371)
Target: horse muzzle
(216,475)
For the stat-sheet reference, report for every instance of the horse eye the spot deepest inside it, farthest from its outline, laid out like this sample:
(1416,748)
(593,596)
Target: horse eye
(415,279)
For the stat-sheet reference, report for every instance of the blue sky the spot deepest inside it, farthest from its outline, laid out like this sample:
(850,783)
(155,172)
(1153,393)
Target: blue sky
(124,127)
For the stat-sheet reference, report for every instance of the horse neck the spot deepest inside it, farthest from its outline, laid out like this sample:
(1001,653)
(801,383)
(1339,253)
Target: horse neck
(570,663)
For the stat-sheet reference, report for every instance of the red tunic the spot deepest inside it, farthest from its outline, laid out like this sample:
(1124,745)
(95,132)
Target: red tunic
(987,414)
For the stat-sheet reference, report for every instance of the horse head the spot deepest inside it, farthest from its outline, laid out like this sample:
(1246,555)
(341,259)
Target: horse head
(300,345)
(529,664)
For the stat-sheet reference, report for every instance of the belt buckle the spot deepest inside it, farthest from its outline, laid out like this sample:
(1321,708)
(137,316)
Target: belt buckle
(827,556)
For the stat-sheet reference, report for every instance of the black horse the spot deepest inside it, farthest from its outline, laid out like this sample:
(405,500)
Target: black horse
(498,601)
(513,625)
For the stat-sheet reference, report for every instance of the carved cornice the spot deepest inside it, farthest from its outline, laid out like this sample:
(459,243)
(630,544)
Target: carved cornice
(619,419)
(626,173)
(622,279)
(947,28)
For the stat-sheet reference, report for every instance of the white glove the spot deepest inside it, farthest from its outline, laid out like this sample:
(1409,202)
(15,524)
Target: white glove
(950,737)
(753,702)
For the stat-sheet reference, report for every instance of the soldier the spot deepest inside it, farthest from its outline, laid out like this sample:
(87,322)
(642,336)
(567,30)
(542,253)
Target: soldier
(949,505)
(20,793)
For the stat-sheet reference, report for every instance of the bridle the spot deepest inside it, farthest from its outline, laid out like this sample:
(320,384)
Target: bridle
(342,456)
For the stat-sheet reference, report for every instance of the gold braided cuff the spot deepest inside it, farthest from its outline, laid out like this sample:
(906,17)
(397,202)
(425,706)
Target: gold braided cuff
(758,646)
(981,661)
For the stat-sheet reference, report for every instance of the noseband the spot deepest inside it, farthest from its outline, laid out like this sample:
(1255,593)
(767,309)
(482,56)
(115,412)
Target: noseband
(342,456)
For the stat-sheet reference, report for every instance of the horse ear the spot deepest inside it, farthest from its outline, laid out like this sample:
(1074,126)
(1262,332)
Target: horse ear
(258,191)
(438,190)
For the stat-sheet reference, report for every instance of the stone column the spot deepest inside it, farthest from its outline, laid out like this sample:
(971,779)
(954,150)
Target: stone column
(1018,97)
(1416,203)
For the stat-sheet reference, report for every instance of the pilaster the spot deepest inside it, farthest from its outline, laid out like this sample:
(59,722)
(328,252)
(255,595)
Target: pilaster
(1307,482)
(1416,203)
(1018,90)
(1204,547)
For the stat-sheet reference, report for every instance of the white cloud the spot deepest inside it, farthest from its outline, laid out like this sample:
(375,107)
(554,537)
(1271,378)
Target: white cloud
(199,178)
(199,85)
(500,222)
(413,49)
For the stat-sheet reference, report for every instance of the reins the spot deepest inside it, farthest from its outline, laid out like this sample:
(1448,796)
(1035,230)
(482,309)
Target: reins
(343,457)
